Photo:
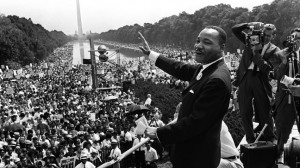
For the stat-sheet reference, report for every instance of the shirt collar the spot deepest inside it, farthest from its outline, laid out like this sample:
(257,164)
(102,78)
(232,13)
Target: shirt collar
(267,45)
(204,66)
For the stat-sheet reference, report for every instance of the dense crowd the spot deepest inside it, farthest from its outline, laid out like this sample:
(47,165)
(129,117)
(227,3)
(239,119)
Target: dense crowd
(51,118)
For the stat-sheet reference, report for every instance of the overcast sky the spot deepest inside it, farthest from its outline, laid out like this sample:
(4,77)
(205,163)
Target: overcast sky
(103,15)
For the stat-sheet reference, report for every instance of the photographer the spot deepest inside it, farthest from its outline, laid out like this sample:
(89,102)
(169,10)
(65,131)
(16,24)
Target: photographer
(258,59)
(285,110)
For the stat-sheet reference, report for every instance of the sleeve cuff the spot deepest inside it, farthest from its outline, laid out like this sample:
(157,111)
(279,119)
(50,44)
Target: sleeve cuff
(153,56)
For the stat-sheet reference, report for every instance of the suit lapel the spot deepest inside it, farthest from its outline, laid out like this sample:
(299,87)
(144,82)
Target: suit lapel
(269,50)
(205,73)
(193,81)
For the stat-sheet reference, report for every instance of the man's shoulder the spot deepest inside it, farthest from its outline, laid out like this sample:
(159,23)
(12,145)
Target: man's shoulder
(152,150)
(222,72)
(273,47)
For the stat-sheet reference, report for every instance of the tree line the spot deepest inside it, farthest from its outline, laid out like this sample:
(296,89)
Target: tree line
(23,42)
(181,30)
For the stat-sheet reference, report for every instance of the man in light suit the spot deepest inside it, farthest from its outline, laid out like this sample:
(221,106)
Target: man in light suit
(196,134)
(253,78)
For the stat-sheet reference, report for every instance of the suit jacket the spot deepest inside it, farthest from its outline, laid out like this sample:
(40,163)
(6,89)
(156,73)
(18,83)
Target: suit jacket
(196,135)
(283,69)
(266,63)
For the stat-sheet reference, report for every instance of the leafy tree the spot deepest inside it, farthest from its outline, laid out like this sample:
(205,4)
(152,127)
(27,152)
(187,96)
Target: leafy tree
(23,42)
(182,30)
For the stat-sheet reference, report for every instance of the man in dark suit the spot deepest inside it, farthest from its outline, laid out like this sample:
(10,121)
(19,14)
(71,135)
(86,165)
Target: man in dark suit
(285,111)
(253,78)
(196,134)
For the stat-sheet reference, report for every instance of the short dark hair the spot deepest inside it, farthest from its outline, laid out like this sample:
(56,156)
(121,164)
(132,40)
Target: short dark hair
(295,30)
(222,34)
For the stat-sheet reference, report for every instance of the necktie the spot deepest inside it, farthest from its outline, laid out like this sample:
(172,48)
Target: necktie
(255,66)
(139,142)
(199,75)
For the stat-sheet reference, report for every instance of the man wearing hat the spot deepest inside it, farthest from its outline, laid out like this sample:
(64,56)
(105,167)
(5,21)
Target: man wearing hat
(150,155)
(140,152)
(13,118)
(95,159)
(84,163)
(115,152)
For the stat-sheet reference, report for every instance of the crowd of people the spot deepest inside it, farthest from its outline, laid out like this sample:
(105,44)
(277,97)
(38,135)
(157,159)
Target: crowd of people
(51,118)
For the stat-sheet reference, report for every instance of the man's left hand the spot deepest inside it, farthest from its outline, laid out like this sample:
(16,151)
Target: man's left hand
(151,132)
(145,48)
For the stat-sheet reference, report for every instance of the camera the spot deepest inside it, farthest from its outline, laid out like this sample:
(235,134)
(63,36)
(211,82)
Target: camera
(290,43)
(254,37)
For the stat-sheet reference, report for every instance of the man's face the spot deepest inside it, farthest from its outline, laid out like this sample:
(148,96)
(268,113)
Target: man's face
(148,146)
(268,36)
(207,46)
(14,118)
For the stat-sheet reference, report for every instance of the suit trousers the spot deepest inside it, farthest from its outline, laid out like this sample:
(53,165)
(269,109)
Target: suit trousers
(285,118)
(140,161)
(252,90)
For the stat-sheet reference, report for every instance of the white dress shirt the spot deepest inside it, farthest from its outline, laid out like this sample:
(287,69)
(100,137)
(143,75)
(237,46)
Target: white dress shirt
(151,155)
(128,136)
(148,101)
(86,165)
(136,141)
(228,148)
(206,66)
(298,54)
(114,153)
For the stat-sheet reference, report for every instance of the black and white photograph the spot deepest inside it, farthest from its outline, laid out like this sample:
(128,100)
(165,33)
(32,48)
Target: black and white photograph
(149,84)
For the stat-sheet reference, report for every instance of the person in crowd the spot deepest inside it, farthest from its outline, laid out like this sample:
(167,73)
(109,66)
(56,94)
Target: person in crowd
(84,163)
(199,124)
(148,100)
(95,159)
(150,156)
(286,111)
(229,152)
(253,77)
(115,153)
(140,152)
(156,122)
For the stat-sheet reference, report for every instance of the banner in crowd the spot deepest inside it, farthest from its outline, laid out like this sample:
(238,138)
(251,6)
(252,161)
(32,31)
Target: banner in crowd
(45,66)
(93,116)
(67,162)
(49,72)
(41,75)
(20,71)
(9,90)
